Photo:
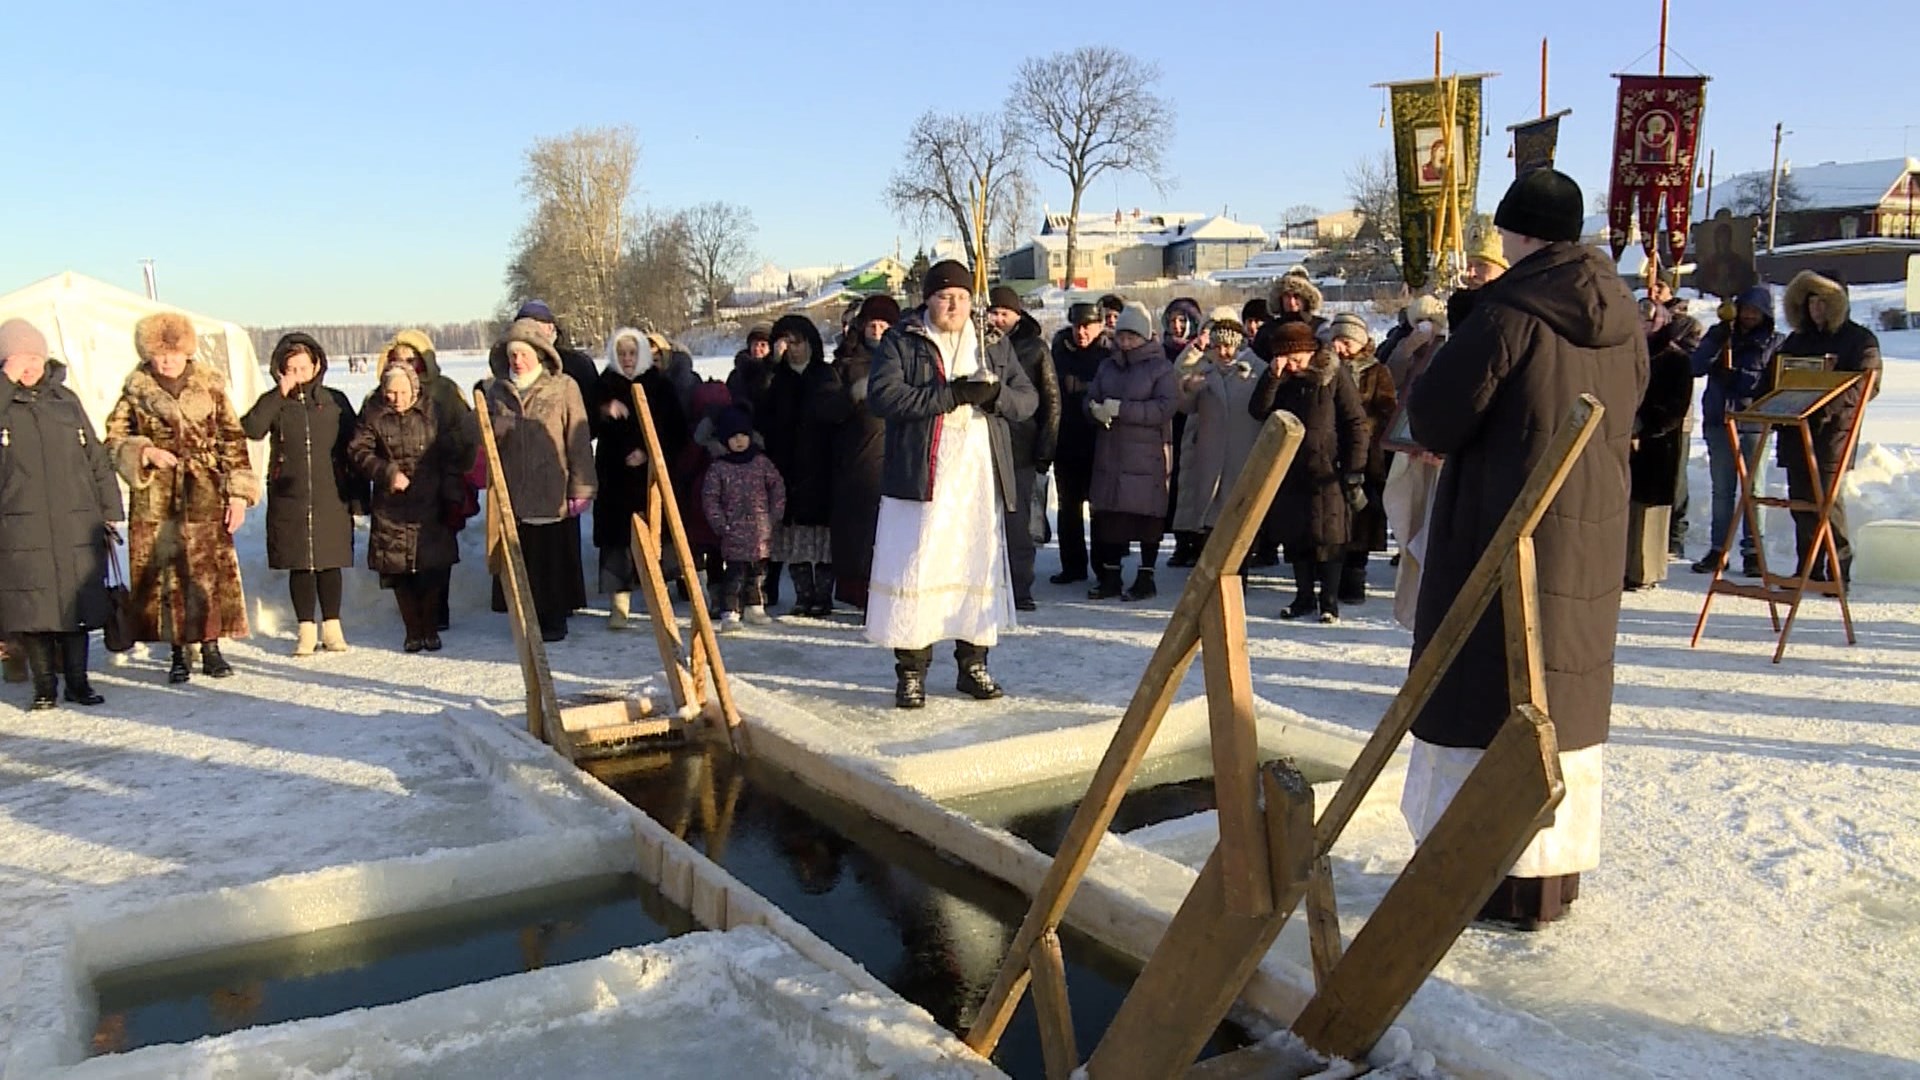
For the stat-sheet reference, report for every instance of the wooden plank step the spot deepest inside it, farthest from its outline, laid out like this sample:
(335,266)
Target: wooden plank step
(1263,1061)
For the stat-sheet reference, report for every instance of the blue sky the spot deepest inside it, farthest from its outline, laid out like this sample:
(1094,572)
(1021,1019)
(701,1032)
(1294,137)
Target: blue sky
(351,161)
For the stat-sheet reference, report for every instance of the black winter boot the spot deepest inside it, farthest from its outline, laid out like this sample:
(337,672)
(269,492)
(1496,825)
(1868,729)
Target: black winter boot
(1143,588)
(73,658)
(1353,579)
(1330,583)
(212,663)
(770,585)
(802,588)
(1303,604)
(46,688)
(1106,584)
(974,680)
(822,607)
(179,670)
(910,669)
(1186,549)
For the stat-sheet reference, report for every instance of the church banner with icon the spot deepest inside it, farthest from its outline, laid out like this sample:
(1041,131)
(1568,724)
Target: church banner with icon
(1425,156)
(1656,135)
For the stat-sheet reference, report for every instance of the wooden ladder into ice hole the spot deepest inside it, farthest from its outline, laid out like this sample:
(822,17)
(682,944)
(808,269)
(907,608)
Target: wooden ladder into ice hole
(1271,852)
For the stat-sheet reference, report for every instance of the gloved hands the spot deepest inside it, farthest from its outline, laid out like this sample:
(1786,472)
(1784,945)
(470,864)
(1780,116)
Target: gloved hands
(1355,492)
(1104,412)
(577,506)
(979,393)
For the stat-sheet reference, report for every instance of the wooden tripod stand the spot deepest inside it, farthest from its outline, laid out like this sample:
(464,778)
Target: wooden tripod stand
(1272,853)
(1788,413)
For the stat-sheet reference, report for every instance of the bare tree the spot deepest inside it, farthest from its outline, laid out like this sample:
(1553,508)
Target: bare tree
(719,238)
(949,155)
(656,278)
(1090,111)
(1375,191)
(570,250)
(1753,192)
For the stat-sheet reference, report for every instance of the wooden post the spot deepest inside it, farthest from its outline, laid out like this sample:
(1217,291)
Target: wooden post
(1543,78)
(1236,752)
(1520,608)
(1227,548)
(1323,921)
(1506,799)
(543,708)
(1051,1010)
(1582,422)
(666,628)
(1208,952)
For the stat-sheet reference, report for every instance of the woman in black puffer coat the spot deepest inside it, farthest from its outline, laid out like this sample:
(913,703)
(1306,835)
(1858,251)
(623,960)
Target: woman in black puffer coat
(1312,512)
(801,446)
(312,489)
(408,453)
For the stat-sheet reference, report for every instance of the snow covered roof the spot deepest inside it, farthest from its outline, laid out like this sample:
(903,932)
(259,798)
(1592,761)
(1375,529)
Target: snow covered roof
(1118,224)
(1827,186)
(1217,227)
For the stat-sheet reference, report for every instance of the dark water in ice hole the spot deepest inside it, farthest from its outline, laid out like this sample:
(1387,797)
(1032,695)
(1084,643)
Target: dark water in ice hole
(379,962)
(929,926)
(1164,788)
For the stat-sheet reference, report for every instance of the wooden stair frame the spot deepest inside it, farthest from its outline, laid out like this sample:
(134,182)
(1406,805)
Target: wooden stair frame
(1272,853)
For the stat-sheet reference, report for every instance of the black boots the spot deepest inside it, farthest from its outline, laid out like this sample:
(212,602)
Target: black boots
(212,664)
(822,591)
(1305,576)
(1186,549)
(802,574)
(73,656)
(1106,584)
(1143,587)
(910,667)
(179,670)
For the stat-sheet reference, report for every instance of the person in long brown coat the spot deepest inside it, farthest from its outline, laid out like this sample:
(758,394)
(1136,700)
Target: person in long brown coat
(411,455)
(1311,515)
(1560,323)
(1353,343)
(546,452)
(177,443)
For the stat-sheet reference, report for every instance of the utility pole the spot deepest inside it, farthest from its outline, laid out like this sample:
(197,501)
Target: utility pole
(146,272)
(1773,194)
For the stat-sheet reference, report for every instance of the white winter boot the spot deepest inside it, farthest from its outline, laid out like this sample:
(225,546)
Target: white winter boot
(309,637)
(757,615)
(332,638)
(622,615)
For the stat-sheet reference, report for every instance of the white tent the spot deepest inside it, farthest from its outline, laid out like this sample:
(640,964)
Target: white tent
(89,327)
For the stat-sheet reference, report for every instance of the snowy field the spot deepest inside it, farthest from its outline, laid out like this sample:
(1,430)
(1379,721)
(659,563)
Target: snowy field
(1757,911)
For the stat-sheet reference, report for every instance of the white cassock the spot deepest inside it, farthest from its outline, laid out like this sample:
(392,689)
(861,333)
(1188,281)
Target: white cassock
(1569,845)
(940,567)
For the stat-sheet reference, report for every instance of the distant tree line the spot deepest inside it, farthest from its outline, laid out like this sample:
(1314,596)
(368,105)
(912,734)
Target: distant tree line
(364,339)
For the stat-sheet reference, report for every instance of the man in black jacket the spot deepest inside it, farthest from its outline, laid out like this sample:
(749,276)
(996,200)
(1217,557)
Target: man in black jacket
(1077,352)
(1820,313)
(1033,438)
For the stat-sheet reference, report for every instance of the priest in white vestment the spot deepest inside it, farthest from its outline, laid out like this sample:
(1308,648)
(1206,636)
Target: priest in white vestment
(940,550)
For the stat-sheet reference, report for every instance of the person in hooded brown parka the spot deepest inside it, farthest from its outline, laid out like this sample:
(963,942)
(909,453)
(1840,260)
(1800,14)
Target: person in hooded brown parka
(411,454)
(312,490)
(1558,324)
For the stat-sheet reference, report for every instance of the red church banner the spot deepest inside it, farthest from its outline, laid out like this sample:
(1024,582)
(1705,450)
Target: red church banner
(1656,135)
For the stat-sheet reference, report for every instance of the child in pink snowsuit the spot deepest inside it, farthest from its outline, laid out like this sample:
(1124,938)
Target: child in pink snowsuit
(743,498)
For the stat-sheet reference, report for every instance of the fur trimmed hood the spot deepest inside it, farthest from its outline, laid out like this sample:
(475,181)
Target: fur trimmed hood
(1296,285)
(526,332)
(1805,286)
(164,331)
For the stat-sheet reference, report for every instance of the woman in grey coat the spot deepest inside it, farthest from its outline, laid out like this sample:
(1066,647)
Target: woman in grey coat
(57,495)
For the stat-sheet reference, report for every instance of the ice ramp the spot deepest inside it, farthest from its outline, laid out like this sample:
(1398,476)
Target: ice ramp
(738,1003)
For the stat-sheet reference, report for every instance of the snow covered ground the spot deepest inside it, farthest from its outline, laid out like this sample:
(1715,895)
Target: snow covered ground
(1757,912)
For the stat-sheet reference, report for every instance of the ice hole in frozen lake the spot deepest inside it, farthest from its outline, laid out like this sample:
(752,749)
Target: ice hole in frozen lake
(1166,787)
(378,962)
(927,925)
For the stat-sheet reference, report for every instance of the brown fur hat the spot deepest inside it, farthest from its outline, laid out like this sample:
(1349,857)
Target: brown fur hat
(1292,284)
(166,331)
